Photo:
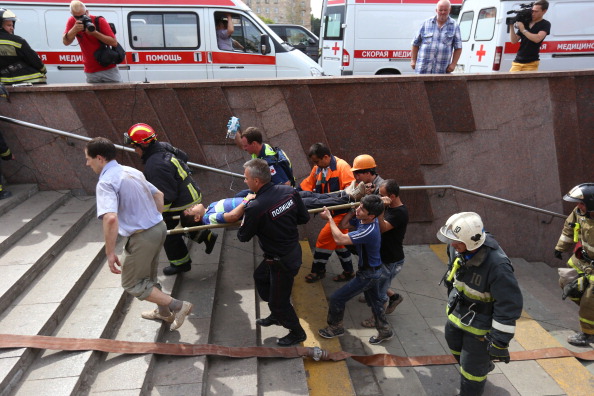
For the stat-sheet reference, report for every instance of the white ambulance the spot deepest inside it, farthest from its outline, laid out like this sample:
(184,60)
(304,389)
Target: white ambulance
(486,45)
(369,37)
(164,40)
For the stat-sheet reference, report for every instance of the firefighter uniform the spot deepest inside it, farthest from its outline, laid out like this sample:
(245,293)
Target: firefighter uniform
(336,177)
(18,62)
(579,227)
(484,303)
(166,168)
(5,155)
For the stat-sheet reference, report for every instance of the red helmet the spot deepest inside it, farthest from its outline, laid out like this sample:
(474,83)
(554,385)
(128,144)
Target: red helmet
(140,133)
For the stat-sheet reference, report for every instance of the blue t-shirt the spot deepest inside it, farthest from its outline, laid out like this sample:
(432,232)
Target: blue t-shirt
(215,213)
(367,238)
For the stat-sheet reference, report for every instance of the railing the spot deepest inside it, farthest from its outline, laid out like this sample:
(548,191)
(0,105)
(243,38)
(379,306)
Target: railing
(208,168)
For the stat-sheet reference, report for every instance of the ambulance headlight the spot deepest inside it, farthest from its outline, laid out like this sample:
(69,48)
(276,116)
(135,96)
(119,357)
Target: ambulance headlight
(315,72)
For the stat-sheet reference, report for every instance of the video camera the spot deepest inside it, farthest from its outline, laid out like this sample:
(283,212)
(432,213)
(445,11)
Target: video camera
(524,15)
(87,23)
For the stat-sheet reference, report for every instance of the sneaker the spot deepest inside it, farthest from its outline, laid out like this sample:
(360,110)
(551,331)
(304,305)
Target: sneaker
(210,242)
(153,315)
(369,322)
(180,315)
(355,192)
(294,337)
(378,339)
(175,269)
(268,321)
(331,331)
(5,194)
(580,339)
(393,303)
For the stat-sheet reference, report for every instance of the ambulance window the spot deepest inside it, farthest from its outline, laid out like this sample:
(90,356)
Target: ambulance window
(485,24)
(333,23)
(163,30)
(466,25)
(246,35)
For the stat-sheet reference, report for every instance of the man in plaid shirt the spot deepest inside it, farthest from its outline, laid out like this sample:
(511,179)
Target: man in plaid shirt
(435,41)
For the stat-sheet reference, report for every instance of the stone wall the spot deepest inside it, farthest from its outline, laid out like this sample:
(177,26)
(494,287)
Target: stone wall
(523,137)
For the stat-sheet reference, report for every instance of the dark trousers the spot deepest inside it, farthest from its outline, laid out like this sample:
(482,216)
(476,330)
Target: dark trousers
(471,352)
(175,246)
(274,286)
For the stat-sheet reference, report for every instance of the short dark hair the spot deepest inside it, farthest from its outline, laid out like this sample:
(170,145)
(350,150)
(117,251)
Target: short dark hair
(544,4)
(101,146)
(368,170)
(392,188)
(258,169)
(319,150)
(373,204)
(187,220)
(252,134)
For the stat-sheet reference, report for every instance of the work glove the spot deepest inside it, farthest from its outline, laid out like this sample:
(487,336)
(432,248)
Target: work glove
(558,255)
(496,350)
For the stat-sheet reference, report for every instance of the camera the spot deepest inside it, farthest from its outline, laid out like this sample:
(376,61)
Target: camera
(87,23)
(524,15)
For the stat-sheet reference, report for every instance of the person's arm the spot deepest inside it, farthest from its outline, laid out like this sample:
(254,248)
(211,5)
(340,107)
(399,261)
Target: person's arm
(414,53)
(110,233)
(384,224)
(158,197)
(238,136)
(339,237)
(345,221)
(535,37)
(230,25)
(452,66)
(249,225)
(513,37)
(237,213)
(70,35)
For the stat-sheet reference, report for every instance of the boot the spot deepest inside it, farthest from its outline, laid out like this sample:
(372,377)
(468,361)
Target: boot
(294,337)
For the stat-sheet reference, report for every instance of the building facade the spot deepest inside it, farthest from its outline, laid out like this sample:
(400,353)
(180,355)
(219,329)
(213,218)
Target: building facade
(283,11)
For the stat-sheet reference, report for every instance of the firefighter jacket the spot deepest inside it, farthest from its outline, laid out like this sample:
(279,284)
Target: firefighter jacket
(273,216)
(18,62)
(338,177)
(5,152)
(165,167)
(578,228)
(485,297)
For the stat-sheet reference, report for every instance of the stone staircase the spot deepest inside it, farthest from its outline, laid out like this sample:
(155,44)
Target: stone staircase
(55,282)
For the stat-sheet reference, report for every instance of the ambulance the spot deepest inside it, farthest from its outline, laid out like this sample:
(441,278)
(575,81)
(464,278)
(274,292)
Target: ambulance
(164,40)
(372,37)
(486,45)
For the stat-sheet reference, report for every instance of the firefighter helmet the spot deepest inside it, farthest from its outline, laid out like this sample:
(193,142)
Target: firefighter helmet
(582,193)
(363,161)
(139,134)
(7,15)
(465,227)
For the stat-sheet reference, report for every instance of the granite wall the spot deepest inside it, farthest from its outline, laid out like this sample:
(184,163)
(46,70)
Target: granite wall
(523,137)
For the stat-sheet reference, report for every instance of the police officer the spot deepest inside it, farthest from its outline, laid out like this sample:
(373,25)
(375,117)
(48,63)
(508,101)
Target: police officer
(18,62)
(273,216)
(484,300)
(579,228)
(165,167)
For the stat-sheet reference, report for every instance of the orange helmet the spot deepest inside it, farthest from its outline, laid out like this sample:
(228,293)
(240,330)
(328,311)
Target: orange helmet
(363,161)
(140,133)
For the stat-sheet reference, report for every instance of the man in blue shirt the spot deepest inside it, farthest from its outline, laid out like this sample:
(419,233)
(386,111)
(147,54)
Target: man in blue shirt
(435,41)
(227,210)
(129,205)
(367,240)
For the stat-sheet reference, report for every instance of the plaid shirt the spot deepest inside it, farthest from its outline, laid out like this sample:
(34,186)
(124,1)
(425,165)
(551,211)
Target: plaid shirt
(436,45)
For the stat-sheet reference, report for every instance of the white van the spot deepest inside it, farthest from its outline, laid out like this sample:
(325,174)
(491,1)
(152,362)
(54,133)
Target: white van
(173,40)
(372,36)
(486,46)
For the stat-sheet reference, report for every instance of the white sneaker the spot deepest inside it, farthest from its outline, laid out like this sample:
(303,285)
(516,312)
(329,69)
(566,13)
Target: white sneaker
(180,316)
(152,315)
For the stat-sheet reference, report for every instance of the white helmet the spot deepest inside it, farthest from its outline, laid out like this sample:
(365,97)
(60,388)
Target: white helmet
(465,227)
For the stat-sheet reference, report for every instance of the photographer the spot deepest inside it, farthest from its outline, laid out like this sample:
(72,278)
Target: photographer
(530,38)
(82,26)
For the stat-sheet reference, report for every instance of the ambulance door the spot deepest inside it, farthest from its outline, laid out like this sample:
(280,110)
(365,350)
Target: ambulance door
(165,45)
(477,28)
(245,60)
(333,22)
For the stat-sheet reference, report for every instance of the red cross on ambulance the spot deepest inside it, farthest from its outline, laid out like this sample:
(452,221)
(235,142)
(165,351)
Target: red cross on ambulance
(480,53)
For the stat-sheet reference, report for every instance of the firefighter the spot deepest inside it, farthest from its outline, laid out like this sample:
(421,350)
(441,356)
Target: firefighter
(18,62)
(579,228)
(484,300)
(5,155)
(165,167)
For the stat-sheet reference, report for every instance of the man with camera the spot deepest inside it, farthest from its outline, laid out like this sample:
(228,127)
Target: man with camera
(82,25)
(530,38)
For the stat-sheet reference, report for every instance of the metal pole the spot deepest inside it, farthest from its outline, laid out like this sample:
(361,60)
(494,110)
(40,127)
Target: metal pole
(120,147)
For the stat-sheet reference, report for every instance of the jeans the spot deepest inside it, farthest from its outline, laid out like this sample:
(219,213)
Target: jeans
(389,272)
(365,281)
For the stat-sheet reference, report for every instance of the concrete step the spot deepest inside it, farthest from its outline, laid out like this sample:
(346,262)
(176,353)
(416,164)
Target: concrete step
(20,193)
(25,260)
(29,213)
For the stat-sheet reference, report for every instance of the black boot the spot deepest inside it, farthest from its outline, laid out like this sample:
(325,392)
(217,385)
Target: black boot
(294,337)
(175,269)
(268,321)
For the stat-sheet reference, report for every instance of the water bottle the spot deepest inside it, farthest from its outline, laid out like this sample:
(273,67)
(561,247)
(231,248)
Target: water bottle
(232,127)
